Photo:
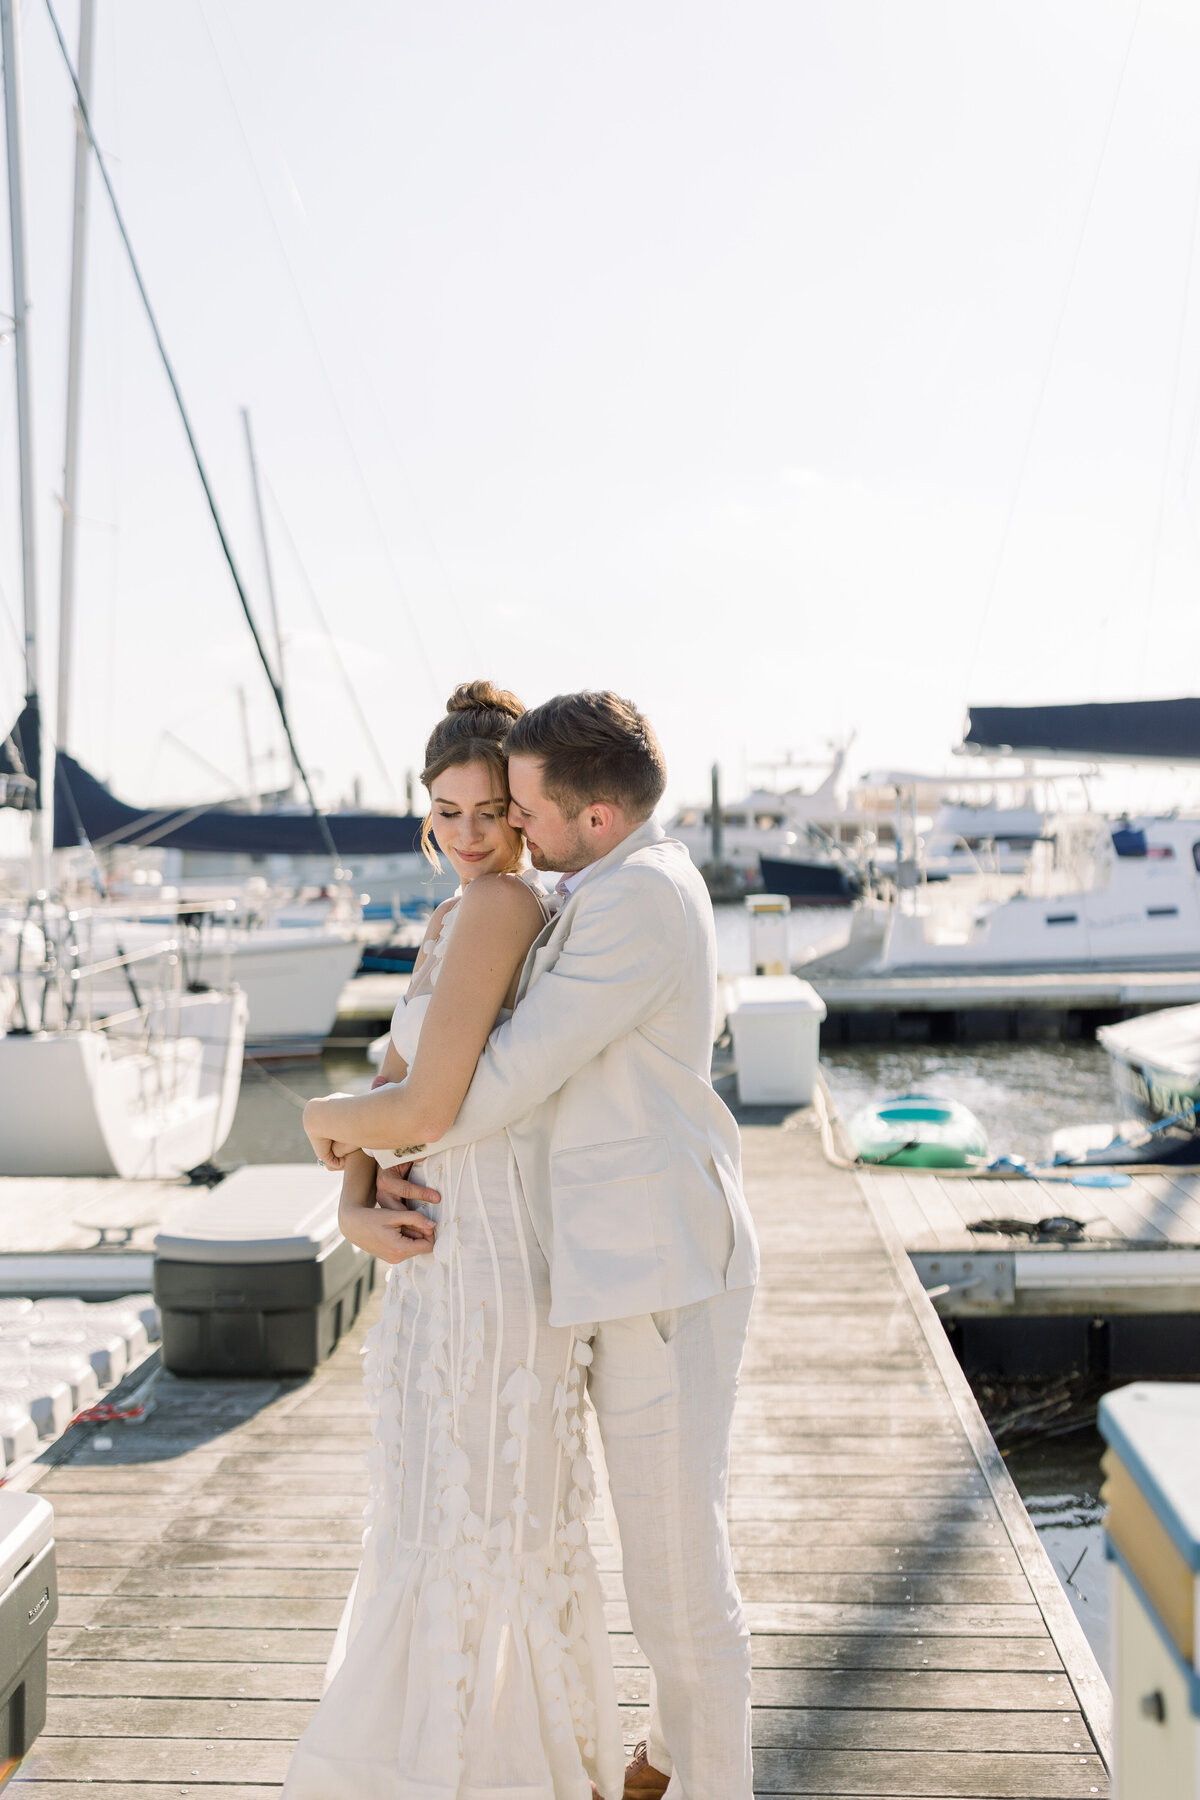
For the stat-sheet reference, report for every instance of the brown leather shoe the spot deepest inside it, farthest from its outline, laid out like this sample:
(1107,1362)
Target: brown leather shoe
(642,1780)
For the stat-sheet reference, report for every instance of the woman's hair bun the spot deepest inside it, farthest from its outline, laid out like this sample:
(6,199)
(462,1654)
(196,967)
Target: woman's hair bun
(484,696)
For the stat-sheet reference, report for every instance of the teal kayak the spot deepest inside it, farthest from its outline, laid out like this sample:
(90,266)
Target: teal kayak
(917,1131)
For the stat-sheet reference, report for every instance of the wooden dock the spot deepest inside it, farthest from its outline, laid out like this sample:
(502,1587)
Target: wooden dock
(910,1636)
(1138,1251)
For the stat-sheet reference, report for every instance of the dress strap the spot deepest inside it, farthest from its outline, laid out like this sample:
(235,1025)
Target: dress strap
(545,901)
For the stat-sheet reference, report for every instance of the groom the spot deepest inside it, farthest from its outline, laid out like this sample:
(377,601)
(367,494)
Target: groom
(631,1170)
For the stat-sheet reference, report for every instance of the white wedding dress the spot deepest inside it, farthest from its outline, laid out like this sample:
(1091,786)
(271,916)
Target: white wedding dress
(472,1661)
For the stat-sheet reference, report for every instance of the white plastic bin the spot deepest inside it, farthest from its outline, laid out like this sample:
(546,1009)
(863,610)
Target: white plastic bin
(1152,1535)
(775,1021)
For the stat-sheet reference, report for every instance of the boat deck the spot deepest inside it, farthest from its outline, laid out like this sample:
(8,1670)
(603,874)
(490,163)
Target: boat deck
(910,1637)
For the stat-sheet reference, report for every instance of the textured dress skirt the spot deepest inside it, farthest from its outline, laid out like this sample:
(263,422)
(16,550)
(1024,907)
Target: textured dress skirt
(472,1661)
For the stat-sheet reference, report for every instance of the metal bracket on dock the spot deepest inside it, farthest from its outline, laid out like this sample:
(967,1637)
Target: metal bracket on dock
(989,1279)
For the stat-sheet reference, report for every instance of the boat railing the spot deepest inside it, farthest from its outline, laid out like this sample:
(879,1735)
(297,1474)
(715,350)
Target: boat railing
(75,970)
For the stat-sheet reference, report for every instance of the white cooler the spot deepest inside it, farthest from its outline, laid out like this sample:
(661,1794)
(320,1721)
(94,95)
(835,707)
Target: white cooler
(28,1608)
(775,1022)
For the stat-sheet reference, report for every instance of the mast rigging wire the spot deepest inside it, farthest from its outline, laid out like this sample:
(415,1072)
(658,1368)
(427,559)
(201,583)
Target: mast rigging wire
(355,702)
(276,690)
(1040,401)
(1180,341)
(314,338)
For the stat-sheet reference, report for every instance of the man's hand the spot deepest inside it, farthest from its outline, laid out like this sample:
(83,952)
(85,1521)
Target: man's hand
(396,1193)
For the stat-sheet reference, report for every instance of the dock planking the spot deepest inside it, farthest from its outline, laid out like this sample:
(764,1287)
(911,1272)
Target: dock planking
(909,1638)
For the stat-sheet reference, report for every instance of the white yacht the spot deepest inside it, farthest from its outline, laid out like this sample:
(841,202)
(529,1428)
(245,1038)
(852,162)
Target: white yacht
(1096,896)
(801,841)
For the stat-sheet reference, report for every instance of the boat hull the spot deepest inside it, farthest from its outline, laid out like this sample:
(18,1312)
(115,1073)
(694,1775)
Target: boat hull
(809,883)
(90,1103)
(292,981)
(1155,1064)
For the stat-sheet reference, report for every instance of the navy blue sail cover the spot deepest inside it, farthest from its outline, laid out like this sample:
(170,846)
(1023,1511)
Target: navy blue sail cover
(1124,730)
(85,811)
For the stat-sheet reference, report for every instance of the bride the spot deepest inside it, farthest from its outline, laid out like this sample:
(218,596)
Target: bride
(472,1661)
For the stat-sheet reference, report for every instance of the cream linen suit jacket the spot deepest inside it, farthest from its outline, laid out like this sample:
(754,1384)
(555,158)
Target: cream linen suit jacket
(630,1163)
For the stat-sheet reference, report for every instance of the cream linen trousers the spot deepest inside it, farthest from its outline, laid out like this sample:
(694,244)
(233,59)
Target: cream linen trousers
(664,1387)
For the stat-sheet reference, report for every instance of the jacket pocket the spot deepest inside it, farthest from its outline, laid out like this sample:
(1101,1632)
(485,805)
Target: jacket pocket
(593,1165)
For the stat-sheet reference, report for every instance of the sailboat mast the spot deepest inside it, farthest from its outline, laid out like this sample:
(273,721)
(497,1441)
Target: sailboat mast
(266,551)
(10,48)
(259,515)
(66,583)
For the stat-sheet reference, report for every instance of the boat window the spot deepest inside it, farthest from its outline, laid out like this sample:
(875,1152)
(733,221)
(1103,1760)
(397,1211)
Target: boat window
(688,817)
(1062,918)
(1162,912)
(1196,855)
(1161,852)
(735,818)
(768,821)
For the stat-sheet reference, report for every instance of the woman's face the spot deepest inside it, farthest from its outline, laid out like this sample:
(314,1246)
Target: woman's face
(470,824)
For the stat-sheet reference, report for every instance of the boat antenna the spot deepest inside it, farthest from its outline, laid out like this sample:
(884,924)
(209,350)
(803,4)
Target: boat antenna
(276,687)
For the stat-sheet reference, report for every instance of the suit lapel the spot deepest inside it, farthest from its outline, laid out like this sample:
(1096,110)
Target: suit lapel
(649,833)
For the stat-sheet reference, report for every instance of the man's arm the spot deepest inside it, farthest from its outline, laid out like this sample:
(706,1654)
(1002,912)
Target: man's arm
(624,954)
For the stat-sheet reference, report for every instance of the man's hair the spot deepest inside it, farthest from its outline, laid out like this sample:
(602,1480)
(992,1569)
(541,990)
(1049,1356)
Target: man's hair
(593,747)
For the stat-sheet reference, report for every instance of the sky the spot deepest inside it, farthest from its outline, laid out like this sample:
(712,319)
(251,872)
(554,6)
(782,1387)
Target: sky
(798,368)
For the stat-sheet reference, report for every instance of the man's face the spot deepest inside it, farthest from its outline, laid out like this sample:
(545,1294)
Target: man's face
(555,841)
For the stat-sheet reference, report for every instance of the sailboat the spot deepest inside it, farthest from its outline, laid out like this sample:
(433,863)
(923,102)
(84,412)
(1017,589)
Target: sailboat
(108,1065)
(292,972)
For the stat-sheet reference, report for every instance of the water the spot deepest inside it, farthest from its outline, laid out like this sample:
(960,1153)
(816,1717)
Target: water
(1020,1093)
(1060,1485)
(266,1126)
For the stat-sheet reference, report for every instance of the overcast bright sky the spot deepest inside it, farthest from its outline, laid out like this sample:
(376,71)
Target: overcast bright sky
(795,367)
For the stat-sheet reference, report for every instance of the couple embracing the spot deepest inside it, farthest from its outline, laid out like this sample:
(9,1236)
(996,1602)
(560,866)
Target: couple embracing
(572,1238)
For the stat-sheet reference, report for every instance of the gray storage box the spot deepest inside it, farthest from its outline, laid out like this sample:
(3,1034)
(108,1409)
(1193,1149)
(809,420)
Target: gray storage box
(28,1608)
(255,1278)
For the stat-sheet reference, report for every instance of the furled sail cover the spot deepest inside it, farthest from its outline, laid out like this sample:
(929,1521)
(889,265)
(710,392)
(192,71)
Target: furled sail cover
(1125,730)
(21,760)
(84,811)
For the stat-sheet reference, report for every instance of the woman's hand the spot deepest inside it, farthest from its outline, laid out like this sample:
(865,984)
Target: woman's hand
(388,1233)
(391,1236)
(322,1134)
